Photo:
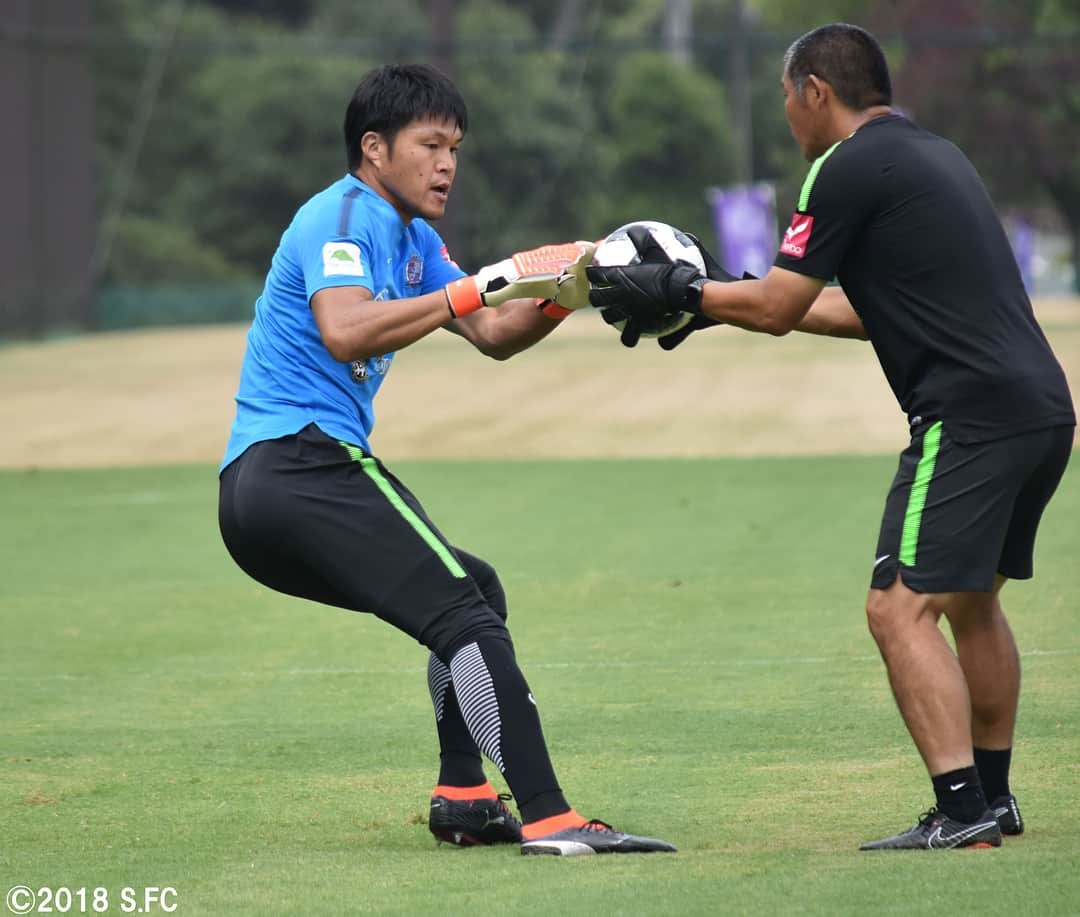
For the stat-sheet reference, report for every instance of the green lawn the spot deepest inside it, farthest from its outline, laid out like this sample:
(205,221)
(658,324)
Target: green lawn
(693,632)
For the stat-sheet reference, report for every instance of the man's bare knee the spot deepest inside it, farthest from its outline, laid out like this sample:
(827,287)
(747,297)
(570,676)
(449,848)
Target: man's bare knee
(896,611)
(883,617)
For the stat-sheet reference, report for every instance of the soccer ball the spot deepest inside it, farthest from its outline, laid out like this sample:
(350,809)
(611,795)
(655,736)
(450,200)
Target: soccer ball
(617,249)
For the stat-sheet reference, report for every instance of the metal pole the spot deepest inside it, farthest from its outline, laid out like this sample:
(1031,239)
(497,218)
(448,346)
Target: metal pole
(741,103)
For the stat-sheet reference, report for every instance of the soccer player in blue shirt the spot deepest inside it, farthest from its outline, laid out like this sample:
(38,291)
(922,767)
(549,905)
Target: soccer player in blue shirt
(307,510)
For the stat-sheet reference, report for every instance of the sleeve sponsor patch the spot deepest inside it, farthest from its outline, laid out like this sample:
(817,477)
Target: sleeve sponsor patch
(797,235)
(446,256)
(342,258)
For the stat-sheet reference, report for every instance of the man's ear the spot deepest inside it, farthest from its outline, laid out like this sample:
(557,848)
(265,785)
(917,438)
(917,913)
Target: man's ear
(373,148)
(816,91)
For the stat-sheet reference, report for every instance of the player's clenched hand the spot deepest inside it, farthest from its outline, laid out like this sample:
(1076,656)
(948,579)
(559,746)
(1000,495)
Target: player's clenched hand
(533,274)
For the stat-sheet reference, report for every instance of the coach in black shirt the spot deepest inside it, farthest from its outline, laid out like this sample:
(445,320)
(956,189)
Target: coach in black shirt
(901,219)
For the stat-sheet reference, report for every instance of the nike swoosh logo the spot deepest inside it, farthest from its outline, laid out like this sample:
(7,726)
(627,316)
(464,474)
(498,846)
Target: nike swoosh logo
(881,560)
(954,840)
(957,786)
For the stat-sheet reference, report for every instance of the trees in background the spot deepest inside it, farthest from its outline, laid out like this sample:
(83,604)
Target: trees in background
(1012,100)
(215,124)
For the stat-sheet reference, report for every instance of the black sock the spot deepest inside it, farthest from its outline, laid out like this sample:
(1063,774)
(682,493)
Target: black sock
(993,767)
(959,794)
(544,805)
(460,770)
(501,715)
(460,763)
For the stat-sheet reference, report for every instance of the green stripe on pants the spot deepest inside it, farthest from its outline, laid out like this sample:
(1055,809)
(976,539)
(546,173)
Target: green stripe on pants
(909,540)
(371,468)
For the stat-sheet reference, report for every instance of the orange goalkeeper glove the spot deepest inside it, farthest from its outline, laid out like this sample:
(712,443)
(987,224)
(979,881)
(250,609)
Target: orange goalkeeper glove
(548,272)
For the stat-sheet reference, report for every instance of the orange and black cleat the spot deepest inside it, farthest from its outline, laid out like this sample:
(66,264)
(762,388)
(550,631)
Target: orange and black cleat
(477,822)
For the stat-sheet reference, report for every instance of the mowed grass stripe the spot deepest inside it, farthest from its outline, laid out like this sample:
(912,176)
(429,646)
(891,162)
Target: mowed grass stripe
(693,633)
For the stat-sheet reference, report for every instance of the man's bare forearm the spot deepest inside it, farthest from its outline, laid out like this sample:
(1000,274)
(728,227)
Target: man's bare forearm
(832,315)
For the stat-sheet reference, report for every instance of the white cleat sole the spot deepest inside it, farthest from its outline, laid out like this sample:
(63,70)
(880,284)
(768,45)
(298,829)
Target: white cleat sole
(557,848)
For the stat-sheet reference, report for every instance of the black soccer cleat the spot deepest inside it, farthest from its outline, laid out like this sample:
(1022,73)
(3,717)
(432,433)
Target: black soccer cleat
(592,837)
(1008,816)
(473,822)
(936,831)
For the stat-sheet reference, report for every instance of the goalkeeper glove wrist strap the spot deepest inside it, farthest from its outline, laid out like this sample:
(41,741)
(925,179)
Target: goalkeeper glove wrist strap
(463,296)
(552,309)
(694,290)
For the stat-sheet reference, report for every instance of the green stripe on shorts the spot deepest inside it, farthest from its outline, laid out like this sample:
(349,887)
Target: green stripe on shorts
(371,468)
(909,540)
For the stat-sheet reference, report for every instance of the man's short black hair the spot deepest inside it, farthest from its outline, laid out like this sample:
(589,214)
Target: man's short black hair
(392,96)
(847,58)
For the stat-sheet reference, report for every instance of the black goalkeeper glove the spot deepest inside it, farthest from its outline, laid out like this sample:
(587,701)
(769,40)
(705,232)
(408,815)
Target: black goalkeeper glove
(673,340)
(630,329)
(713,271)
(653,289)
(712,267)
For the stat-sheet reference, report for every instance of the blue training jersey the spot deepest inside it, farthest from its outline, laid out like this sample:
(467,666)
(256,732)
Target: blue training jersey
(346,235)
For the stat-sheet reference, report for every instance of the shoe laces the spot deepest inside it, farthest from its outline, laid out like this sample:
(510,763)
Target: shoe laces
(927,818)
(594,824)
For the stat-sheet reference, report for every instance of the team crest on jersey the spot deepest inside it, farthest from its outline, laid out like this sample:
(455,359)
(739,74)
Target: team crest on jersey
(414,270)
(797,235)
(362,370)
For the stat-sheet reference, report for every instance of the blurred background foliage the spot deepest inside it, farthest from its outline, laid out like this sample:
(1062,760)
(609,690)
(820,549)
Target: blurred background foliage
(215,119)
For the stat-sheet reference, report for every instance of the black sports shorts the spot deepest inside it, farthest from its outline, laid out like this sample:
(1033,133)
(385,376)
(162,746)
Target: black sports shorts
(312,517)
(957,514)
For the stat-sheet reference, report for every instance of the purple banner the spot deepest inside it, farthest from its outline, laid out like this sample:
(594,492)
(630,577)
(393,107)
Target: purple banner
(1022,236)
(744,217)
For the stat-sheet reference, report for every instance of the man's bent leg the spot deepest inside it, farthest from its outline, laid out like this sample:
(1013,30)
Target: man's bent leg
(926,678)
(928,684)
(991,664)
(460,762)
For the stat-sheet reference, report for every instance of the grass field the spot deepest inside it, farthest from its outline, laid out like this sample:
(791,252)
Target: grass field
(692,630)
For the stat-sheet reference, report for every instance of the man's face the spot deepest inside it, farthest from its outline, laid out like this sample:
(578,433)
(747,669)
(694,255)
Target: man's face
(416,173)
(805,118)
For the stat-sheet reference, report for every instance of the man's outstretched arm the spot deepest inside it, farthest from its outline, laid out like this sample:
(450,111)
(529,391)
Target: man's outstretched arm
(354,325)
(511,328)
(781,302)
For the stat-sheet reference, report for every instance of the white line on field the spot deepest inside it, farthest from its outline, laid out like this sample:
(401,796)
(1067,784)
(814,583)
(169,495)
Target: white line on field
(533,666)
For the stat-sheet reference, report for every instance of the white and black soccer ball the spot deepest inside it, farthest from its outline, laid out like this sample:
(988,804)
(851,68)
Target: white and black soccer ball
(617,249)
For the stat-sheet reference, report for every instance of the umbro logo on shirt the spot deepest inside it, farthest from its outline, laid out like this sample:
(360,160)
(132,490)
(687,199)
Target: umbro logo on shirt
(797,235)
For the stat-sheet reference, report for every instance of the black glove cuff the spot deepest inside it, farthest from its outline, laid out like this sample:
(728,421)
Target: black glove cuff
(693,295)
